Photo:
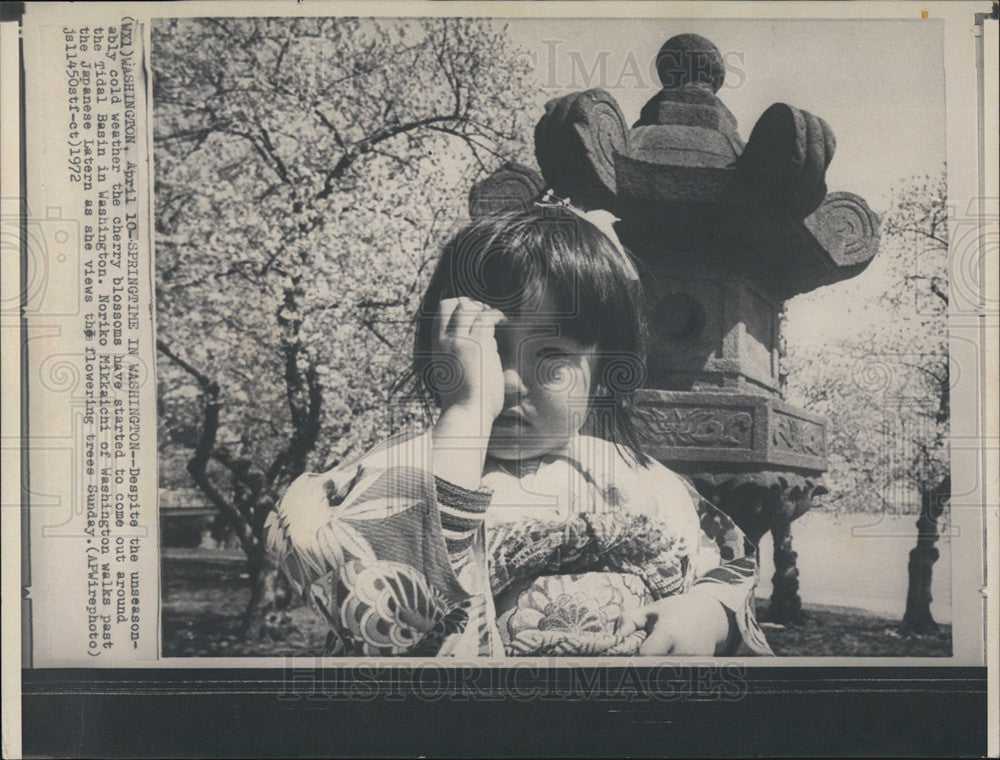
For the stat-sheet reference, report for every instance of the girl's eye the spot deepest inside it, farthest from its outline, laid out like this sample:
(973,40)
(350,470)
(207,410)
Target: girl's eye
(552,367)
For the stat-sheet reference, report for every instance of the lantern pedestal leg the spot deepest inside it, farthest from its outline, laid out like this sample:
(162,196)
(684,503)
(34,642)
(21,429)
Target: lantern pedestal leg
(786,605)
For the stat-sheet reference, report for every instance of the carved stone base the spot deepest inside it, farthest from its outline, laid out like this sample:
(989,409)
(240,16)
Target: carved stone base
(757,501)
(737,430)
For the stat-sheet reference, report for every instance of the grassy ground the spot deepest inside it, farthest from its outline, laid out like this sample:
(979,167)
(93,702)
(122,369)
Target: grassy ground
(205,593)
(204,596)
(850,632)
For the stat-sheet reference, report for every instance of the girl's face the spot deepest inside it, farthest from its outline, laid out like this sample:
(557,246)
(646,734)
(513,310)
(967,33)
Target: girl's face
(547,386)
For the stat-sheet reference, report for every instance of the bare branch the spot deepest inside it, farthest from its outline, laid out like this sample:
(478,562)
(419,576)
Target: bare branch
(370,324)
(187,134)
(269,148)
(203,380)
(937,290)
(380,135)
(943,242)
(331,126)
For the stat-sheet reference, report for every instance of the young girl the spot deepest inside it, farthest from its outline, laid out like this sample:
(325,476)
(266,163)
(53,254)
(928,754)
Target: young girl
(504,529)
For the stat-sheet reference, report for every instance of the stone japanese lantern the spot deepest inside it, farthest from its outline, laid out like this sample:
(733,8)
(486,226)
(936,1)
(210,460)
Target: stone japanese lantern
(725,232)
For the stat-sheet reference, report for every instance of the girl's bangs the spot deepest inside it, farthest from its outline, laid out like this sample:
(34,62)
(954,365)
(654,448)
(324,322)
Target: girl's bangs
(507,268)
(518,263)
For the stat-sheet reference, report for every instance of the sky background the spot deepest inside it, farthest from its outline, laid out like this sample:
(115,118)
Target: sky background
(878,84)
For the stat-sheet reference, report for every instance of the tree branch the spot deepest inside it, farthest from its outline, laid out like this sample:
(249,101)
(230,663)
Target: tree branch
(269,147)
(937,290)
(367,144)
(370,324)
(331,126)
(943,242)
(197,466)
(203,380)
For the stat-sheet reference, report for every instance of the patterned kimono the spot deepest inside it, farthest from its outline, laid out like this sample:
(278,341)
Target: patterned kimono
(541,560)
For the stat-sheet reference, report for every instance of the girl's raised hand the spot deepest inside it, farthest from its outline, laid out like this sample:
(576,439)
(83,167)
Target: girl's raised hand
(463,336)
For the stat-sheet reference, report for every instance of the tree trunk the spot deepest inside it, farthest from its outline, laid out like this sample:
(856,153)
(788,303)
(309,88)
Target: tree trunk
(265,614)
(917,618)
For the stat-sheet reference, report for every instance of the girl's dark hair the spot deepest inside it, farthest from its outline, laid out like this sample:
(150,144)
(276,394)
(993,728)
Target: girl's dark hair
(512,261)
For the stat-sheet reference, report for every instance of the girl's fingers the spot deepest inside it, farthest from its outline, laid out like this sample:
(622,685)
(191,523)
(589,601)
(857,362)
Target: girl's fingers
(485,322)
(443,317)
(463,317)
(660,641)
(630,622)
(471,315)
(458,317)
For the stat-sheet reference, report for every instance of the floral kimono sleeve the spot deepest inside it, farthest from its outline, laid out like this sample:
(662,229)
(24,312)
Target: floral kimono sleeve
(726,567)
(363,544)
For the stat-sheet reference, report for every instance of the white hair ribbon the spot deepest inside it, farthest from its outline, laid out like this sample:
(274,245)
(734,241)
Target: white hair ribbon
(603,220)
